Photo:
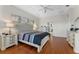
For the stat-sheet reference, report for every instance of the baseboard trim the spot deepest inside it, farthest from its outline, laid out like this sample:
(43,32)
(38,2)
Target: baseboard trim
(76,51)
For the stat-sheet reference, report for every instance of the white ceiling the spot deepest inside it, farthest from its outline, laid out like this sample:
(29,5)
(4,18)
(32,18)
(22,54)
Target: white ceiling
(38,11)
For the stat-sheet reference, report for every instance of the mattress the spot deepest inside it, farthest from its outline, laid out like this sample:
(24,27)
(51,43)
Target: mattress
(33,37)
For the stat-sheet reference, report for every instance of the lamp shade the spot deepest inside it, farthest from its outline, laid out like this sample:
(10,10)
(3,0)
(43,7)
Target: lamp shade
(10,25)
(34,26)
(7,21)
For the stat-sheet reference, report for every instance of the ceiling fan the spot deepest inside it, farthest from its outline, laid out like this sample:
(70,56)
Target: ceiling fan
(67,5)
(45,8)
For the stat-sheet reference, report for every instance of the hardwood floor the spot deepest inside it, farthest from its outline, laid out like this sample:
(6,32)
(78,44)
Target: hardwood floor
(57,45)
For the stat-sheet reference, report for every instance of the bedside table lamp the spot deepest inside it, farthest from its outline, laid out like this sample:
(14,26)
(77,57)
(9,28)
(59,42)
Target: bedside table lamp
(34,26)
(10,25)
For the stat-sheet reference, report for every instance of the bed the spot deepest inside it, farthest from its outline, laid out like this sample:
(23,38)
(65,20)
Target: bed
(34,38)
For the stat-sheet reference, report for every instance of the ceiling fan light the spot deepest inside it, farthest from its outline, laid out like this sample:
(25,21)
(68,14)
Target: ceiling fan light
(67,5)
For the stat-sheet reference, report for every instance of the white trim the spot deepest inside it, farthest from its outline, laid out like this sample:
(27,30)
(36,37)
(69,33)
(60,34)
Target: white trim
(76,51)
(39,48)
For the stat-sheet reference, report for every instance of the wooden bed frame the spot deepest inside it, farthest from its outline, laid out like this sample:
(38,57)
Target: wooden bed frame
(24,28)
(39,48)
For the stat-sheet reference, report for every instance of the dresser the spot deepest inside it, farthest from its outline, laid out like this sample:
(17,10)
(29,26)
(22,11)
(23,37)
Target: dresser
(76,44)
(7,40)
(73,40)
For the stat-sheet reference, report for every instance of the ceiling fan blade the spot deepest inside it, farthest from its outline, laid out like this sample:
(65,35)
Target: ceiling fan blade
(46,7)
(49,8)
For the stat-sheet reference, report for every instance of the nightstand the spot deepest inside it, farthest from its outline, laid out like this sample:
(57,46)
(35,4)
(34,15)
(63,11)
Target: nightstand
(8,40)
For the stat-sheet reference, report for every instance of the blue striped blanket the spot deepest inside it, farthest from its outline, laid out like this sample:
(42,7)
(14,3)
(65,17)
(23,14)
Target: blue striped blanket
(34,37)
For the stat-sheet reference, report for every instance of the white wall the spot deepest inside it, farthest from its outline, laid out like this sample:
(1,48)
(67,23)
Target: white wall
(59,24)
(7,11)
(62,23)
(73,13)
(2,23)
